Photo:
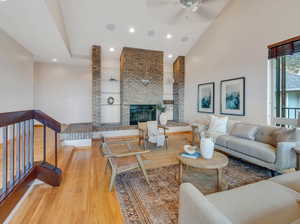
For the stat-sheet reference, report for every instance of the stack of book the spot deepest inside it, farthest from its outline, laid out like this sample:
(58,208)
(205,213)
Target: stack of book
(195,155)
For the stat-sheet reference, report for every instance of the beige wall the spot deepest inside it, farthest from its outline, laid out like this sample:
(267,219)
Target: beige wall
(63,91)
(236,45)
(16,76)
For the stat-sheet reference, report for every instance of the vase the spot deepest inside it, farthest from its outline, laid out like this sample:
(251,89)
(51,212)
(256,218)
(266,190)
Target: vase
(207,147)
(163,119)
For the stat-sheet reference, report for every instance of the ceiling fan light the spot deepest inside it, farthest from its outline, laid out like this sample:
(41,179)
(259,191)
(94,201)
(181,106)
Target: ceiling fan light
(188,3)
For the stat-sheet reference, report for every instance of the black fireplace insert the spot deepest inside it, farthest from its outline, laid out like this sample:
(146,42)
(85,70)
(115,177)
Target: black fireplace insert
(142,113)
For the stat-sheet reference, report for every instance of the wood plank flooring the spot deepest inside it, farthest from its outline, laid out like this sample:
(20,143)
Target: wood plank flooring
(83,196)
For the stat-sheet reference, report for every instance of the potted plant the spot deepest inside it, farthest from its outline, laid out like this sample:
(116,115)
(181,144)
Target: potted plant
(163,119)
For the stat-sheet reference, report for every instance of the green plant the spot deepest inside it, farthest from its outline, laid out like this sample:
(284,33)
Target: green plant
(161,108)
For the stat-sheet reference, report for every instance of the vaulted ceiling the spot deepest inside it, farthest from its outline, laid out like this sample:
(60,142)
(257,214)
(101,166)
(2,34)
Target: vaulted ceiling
(66,29)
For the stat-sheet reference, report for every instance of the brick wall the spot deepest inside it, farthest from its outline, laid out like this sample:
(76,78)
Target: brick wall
(96,85)
(138,65)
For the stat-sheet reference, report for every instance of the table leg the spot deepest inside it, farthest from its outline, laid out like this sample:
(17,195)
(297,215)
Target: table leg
(193,135)
(180,172)
(298,161)
(220,171)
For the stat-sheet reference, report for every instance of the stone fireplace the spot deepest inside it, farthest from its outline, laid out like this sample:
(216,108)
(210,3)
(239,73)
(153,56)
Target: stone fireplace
(141,75)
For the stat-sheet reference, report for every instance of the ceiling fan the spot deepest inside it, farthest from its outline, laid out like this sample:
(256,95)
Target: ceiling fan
(186,7)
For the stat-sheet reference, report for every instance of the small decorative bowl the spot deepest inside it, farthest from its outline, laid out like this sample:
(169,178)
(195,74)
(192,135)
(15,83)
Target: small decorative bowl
(189,149)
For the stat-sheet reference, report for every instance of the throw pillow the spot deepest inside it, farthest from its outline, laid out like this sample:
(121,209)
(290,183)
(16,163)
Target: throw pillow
(218,124)
(246,131)
(283,135)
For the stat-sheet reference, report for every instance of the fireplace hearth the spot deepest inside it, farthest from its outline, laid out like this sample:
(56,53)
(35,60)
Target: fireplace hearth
(142,113)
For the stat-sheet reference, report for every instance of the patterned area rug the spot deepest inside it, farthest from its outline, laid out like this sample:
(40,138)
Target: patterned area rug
(158,203)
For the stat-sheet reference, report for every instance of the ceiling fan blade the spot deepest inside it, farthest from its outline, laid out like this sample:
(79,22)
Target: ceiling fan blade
(175,18)
(205,13)
(158,3)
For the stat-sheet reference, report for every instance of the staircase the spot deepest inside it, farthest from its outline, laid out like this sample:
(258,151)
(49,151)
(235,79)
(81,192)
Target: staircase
(18,151)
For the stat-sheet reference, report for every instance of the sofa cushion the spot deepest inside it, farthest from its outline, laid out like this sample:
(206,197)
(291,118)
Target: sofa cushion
(264,202)
(291,180)
(264,134)
(255,149)
(222,140)
(246,131)
(194,208)
(218,124)
(231,124)
(284,135)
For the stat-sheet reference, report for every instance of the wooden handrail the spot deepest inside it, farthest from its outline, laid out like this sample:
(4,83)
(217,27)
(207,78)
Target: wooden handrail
(10,118)
(47,120)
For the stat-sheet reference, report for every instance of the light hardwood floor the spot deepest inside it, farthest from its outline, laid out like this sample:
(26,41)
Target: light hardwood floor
(83,196)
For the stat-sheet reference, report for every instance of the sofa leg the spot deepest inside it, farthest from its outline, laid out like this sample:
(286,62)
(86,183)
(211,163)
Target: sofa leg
(272,173)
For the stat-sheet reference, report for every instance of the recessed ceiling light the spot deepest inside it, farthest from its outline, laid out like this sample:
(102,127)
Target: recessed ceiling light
(151,33)
(170,56)
(111,49)
(169,36)
(111,27)
(184,39)
(54,59)
(131,30)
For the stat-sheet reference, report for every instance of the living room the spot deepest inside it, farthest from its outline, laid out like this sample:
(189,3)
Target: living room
(150,111)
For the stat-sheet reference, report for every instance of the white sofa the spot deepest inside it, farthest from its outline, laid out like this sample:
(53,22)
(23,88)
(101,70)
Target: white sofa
(272,201)
(258,151)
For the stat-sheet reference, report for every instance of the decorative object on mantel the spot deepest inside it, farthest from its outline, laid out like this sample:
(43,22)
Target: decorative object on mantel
(112,79)
(233,96)
(145,82)
(207,146)
(168,101)
(206,98)
(110,100)
(163,118)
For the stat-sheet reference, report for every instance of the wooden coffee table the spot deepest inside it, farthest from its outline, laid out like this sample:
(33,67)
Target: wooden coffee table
(218,162)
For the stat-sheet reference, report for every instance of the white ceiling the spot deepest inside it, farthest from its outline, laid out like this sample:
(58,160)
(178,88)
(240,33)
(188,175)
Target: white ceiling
(66,29)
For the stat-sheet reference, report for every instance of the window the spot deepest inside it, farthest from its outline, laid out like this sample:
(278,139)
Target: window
(285,69)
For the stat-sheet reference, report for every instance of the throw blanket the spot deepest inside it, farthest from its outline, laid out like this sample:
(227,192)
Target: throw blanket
(154,135)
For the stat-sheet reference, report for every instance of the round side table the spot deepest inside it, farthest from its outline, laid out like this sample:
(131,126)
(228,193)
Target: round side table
(218,162)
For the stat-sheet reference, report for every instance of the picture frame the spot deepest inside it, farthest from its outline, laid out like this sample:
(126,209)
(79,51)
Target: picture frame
(206,98)
(232,96)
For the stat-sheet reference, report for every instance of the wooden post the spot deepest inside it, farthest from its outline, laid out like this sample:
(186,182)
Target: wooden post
(56,149)
(4,160)
(12,157)
(44,144)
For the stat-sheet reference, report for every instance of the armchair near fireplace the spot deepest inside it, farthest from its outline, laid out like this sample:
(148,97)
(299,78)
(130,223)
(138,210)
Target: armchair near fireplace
(144,136)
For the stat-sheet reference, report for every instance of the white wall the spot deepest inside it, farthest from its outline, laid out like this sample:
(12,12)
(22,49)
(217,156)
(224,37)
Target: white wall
(16,76)
(110,69)
(63,91)
(236,45)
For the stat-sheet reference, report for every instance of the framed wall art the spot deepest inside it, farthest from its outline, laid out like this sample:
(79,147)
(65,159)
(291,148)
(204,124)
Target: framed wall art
(206,98)
(233,97)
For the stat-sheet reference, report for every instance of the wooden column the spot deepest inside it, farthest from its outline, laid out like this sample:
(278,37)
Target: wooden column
(178,88)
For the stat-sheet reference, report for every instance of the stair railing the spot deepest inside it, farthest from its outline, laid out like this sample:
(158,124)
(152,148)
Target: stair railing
(17,156)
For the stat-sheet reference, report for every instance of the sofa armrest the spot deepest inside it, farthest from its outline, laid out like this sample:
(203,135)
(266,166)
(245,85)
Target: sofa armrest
(194,208)
(285,156)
